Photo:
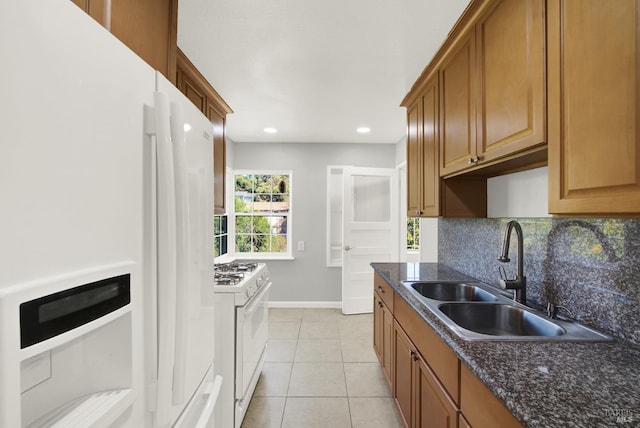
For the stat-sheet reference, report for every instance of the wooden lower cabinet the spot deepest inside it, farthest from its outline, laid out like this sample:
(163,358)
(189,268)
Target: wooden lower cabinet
(383,336)
(430,386)
(403,377)
(480,407)
(421,398)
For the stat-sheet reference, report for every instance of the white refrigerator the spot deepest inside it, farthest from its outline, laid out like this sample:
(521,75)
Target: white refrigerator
(102,165)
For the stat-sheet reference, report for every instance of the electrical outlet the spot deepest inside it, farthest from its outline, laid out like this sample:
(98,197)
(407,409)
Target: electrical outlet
(300,245)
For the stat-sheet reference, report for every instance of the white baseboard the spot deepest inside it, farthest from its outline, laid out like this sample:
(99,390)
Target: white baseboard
(329,305)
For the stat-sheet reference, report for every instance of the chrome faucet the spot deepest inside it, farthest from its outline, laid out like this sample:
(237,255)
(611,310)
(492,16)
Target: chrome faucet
(519,283)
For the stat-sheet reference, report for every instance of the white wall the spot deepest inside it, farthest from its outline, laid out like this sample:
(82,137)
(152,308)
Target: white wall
(522,194)
(306,278)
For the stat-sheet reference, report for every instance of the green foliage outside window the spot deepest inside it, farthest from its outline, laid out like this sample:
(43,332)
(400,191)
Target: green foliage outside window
(261,206)
(413,233)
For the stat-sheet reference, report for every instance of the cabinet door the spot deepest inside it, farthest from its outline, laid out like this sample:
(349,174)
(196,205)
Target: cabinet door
(378,315)
(462,422)
(430,197)
(387,344)
(511,73)
(191,89)
(219,162)
(594,92)
(149,28)
(403,375)
(458,107)
(480,407)
(433,407)
(414,159)
(383,336)
(97,9)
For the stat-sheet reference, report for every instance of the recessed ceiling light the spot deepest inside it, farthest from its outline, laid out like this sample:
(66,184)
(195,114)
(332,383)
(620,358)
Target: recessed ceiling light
(270,130)
(363,130)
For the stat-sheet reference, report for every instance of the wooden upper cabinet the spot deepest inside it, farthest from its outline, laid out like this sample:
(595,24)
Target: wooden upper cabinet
(97,9)
(147,27)
(493,87)
(423,178)
(458,106)
(594,116)
(194,85)
(511,110)
(414,159)
(219,162)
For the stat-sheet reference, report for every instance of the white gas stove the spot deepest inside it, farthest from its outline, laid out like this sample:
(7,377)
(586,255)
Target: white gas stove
(242,329)
(243,279)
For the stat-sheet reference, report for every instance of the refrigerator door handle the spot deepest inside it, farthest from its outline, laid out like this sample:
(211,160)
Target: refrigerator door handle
(213,389)
(166,265)
(183,245)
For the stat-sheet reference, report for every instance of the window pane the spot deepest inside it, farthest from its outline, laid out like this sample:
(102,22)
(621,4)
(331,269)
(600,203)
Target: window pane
(243,224)
(263,184)
(262,203)
(260,224)
(220,235)
(243,202)
(413,233)
(244,183)
(280,184)
(371,198)
(279,244)
(243,243)
(280,203)
(261,243)
(278,225)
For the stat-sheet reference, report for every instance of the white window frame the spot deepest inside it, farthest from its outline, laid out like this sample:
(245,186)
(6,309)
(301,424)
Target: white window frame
(288,255)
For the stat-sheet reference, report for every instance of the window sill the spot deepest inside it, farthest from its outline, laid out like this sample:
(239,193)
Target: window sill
(263,257)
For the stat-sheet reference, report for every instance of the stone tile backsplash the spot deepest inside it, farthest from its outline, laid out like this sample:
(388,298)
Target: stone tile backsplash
(589,266)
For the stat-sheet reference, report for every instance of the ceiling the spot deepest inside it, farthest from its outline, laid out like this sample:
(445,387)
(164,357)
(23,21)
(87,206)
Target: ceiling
(314,70)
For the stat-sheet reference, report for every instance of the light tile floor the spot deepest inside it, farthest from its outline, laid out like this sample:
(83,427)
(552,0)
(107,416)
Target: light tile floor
(320,371)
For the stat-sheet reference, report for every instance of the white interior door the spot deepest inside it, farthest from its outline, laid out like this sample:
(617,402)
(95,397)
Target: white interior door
(370,221)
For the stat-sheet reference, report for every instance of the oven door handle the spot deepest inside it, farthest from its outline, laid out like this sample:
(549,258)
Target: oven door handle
(256,300)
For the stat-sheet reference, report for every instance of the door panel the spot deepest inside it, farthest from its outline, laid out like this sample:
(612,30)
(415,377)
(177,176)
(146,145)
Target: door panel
(370,221)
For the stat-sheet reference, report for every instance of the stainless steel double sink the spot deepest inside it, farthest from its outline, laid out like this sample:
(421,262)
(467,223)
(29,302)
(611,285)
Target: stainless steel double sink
(475,311)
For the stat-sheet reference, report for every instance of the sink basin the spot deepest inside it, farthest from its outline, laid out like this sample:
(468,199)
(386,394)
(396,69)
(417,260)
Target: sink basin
(497,319)
(453,292)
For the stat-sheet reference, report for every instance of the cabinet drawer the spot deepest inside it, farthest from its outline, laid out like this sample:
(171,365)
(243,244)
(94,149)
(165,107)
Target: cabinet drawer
(479,406)
(439,357)
(384,290)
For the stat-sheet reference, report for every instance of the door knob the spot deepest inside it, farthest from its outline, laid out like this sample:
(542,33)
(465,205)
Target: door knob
(347,248)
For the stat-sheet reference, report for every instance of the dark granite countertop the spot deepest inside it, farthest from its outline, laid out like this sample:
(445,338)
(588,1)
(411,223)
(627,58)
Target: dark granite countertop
(544,384)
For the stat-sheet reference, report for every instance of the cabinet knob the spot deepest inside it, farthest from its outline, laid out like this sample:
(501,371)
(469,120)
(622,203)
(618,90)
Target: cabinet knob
(413,355)
(379,304)
(380,289)
(417,212)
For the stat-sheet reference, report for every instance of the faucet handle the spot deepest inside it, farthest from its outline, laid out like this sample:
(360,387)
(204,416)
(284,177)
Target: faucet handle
(502,273)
